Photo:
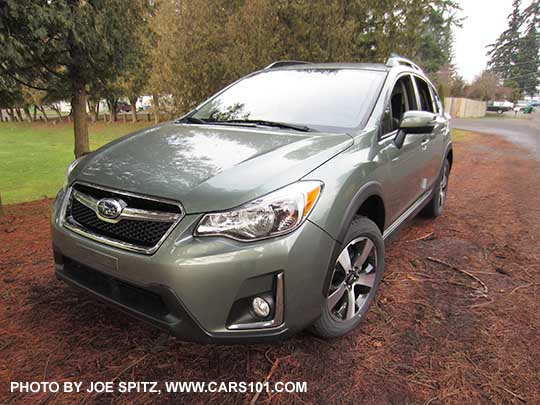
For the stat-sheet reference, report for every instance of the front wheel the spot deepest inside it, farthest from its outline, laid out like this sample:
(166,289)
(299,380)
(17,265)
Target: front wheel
(356,276)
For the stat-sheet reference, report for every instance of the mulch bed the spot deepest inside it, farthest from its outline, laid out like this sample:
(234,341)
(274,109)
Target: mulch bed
(457,319)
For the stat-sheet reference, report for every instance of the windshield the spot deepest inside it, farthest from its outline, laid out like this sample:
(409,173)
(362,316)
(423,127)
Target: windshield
(333,100)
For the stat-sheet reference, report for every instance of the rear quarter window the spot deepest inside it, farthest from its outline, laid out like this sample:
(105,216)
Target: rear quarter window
(437,102)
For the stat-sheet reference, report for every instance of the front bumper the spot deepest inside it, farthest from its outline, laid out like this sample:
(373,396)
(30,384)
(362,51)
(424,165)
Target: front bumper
(190,285)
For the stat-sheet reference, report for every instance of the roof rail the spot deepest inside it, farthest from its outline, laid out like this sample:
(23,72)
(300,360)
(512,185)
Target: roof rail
(395,60)
(282,63)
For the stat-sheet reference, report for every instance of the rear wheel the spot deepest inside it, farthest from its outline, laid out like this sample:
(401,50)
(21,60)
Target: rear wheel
(356,276)
(436,206)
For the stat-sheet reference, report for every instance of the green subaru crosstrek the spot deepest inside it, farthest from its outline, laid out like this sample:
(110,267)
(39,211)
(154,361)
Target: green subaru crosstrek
(263,211)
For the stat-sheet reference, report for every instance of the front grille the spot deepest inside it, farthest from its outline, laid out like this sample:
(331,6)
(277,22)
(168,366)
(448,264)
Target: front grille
(144,232)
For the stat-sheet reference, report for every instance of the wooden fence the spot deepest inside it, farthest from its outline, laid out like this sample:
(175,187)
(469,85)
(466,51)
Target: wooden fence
(105,117)
(128,117)
(465,108)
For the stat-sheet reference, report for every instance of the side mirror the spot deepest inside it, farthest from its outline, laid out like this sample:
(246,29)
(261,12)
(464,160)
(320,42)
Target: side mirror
(415,122)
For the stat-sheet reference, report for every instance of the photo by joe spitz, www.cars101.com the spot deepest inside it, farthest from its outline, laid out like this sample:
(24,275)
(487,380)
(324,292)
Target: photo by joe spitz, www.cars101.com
(262,212)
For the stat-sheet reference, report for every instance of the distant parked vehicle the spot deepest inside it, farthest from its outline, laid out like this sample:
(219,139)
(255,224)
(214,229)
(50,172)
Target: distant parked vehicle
(500,106)
(525,106)
(522,104)
(123,107)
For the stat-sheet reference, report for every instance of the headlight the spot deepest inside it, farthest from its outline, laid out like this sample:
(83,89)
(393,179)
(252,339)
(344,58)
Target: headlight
(274,214)
(70,168)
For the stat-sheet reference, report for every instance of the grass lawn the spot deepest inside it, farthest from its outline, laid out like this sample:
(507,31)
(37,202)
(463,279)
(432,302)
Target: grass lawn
(34,156)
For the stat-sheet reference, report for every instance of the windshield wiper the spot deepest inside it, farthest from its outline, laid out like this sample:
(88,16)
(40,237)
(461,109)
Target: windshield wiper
(194,120)
(191,120)
(265,123)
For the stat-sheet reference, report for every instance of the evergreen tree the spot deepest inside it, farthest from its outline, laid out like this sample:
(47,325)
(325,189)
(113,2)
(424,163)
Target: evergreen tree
(64,46)
(204,45)
(530,52)
(515,55)
(504,53)
(436,39)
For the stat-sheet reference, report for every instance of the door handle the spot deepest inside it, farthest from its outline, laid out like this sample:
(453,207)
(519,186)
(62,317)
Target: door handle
(424,144)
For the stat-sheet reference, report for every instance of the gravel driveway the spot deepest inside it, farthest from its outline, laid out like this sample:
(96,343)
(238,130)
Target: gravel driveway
(523,131)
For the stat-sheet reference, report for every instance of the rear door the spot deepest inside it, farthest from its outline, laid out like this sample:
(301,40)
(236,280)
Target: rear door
(432,143)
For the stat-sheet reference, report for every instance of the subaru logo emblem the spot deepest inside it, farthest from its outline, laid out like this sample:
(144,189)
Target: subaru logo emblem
(110,208)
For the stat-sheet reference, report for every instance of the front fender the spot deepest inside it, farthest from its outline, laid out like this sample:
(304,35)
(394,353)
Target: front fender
(349,180)
(366,191)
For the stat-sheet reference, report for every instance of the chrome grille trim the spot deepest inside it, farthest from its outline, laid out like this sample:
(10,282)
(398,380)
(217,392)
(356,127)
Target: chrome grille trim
(134,214)
(128,213)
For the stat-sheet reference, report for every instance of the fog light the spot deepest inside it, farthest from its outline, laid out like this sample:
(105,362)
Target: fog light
(261,307)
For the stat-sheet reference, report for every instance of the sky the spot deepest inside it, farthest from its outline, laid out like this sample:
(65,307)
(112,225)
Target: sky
(485,21)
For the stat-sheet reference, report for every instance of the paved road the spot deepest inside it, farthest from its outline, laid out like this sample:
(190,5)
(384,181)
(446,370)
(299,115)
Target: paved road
(523,131)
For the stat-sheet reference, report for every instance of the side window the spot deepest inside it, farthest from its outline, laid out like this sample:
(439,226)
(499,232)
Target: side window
(402,99)
(424,94)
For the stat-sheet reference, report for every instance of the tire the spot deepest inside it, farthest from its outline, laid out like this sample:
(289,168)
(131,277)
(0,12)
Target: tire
(363,279)
(435,206)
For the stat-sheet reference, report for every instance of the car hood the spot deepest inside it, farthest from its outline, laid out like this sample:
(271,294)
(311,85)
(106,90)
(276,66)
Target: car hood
(208,168)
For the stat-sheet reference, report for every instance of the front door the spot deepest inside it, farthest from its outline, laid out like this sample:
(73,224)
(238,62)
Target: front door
(406,165)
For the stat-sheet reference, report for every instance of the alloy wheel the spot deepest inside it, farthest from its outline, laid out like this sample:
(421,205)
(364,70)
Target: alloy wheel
(353,279)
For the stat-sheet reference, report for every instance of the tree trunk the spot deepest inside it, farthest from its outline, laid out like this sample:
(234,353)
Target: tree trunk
(155,99)
(112,110)
(133,102)
(19,114)
(1,115)
(43,113)
(57,110)
(35,113)
(91,110)
(109,107)
(11,114)
(28,114)
(80,124)
(96,111)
